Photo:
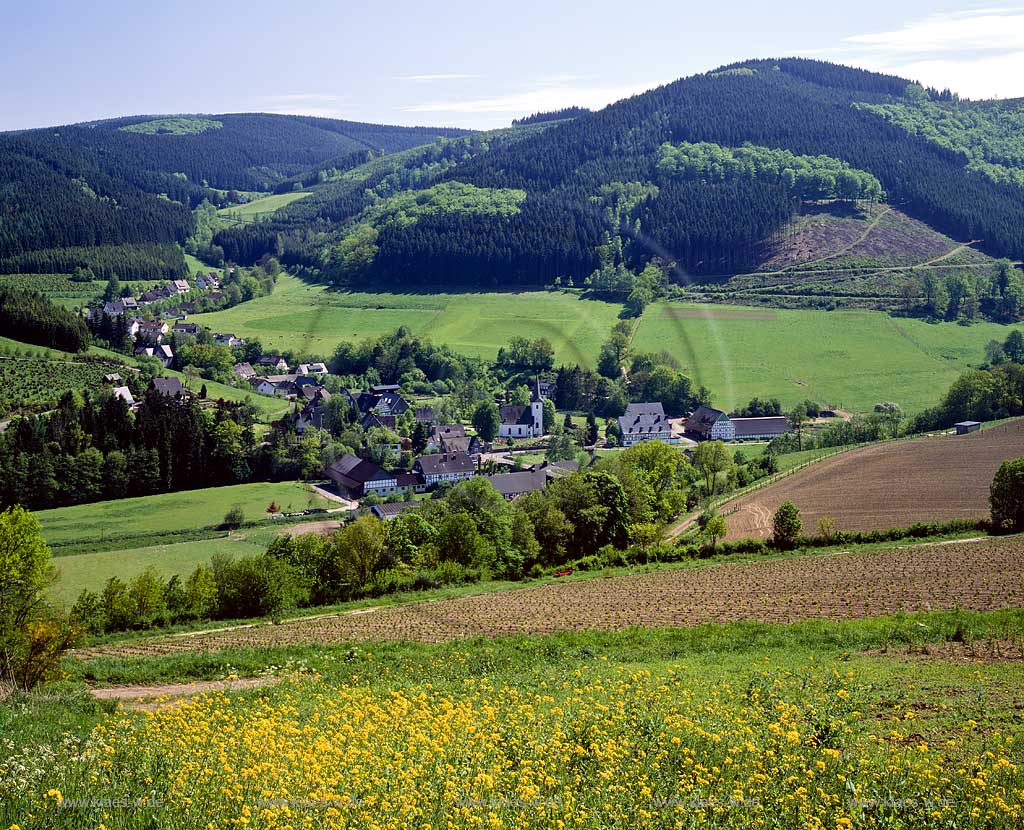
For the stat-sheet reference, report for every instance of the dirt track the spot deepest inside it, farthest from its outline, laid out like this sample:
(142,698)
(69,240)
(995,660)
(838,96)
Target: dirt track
(887,485)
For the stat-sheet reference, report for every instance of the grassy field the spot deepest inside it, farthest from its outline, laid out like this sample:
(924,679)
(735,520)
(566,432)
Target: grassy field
(258,208)
(850,359)
(311,319)
(92,570)
(171,511)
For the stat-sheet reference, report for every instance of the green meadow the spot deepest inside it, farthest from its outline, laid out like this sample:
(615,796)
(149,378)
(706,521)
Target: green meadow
(171,512)
(92,570)
(258,208)
(312,319)
(849,359)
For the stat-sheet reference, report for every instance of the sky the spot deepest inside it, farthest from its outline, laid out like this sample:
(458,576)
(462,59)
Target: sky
(458,62)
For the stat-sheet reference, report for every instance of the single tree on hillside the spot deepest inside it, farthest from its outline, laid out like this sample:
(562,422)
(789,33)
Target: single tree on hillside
(1006,495)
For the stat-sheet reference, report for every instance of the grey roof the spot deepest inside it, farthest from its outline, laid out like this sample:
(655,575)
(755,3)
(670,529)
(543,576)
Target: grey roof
(446,431)
(645,419)
(767,425)
(392,509)
(654,408)
(968,424)
(168,386)
(445,462)
(512,484)
(514,415)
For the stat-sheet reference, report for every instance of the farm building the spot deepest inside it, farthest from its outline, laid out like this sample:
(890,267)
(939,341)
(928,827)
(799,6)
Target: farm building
(760,429)
(272,361)
(444,432)
(312,369)
(513,485)
(356,477)
(168,386)
(455,466)
(392,510)
(710,424)
(646,422)
(244,371)
(965,427)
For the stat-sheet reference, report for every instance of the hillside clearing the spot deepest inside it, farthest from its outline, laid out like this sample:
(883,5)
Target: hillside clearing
(983,575)
(312,319)
(847,359)
(933,479)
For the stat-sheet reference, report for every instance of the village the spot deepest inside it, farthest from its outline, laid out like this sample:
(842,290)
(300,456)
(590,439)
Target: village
(407,451)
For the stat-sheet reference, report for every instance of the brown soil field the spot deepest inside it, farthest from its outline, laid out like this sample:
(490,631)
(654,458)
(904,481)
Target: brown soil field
(886,485)
(979,575)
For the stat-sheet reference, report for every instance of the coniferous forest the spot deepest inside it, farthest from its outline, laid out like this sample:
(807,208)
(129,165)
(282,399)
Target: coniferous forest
(714,167)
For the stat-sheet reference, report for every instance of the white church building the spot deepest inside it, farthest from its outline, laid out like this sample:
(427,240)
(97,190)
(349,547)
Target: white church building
(518,421)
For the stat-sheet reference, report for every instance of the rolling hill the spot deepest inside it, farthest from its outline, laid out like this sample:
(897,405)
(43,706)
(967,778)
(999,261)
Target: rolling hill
(135,180)
(752,169)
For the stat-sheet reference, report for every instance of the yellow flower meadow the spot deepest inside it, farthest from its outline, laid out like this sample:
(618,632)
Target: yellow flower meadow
(607,748)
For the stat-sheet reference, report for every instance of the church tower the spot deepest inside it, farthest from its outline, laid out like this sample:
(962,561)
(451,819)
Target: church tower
(537,409)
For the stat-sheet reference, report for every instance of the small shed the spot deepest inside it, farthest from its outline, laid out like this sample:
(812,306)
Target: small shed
(967,426)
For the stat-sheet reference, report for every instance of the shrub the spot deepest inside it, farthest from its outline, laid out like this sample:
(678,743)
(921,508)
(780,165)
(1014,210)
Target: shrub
(1006,495)
(786,526)
(234,517)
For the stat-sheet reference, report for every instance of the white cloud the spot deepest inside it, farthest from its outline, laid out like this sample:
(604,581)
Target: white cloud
(318,104)
(978,53)
(444,76)
(544,98)
(968,31)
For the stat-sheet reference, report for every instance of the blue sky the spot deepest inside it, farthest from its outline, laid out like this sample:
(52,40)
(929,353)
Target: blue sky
(457,63)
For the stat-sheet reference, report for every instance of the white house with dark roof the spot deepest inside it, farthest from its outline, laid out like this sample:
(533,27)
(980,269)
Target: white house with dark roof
(646,422)
(710,424)
(442,467)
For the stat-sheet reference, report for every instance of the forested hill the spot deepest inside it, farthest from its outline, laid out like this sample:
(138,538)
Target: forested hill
(710,173)
(137,179)
(597,195)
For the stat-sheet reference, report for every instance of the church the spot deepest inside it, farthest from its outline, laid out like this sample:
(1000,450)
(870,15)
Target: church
(523,421)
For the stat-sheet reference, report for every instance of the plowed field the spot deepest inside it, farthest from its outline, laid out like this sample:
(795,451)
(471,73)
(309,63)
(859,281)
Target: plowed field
(980,575)
(887,485)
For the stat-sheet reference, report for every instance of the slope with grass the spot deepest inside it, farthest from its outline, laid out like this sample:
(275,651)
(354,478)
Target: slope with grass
(170,512)
(933,479)
(310,318)
(848,359)
(90,571)
(258,208)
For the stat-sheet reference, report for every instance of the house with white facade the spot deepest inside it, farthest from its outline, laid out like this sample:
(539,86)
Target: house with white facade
(646,422)
(441,467)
